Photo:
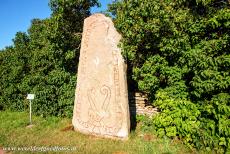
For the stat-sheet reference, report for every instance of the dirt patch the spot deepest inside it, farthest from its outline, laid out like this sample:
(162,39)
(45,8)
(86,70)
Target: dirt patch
(93,137)
(68,128)
(119,152)
(149,137)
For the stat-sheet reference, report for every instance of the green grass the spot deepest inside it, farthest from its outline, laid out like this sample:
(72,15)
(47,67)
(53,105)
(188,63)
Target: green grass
(53,131)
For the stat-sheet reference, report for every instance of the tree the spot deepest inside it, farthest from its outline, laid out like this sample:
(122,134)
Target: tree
(45,61)
(13,69)
(179,55)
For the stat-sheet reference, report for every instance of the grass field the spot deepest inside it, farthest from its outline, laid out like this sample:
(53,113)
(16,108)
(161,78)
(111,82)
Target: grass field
(54,132)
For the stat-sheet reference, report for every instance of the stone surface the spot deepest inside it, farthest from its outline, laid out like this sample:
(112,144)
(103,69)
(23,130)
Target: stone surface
(1,151)
(139,105)
(101,97)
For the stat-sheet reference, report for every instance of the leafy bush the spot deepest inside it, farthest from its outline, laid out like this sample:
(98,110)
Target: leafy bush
(179,54)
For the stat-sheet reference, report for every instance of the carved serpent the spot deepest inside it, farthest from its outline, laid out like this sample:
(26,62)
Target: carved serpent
(96,112)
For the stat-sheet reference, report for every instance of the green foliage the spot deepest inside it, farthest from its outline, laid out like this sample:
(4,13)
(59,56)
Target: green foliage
(178,117)
(145,122)
(179,55)
(45,60)
(13,69)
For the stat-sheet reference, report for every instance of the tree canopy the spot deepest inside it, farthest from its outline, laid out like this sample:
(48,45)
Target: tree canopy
(44,61)
(178,53)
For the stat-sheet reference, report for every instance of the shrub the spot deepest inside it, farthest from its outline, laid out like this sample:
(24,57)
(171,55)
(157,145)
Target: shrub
(179,55)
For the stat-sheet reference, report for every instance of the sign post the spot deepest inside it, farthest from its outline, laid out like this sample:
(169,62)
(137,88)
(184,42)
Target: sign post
(30,97)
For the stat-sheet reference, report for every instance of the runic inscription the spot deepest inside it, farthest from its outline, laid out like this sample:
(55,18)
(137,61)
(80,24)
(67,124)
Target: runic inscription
(101,102)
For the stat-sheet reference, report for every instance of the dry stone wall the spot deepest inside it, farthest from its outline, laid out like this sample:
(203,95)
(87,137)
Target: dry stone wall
(139,105)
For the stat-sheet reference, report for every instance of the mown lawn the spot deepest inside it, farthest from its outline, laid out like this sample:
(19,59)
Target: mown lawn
(57,132)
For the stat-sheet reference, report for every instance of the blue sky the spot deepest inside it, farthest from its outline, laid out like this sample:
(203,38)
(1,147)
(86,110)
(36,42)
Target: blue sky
(15,16)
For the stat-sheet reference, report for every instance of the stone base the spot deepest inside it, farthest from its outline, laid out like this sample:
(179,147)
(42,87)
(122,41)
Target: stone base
(104,136)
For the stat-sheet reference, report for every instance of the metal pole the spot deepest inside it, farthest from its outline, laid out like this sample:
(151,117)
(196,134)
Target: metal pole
(30,113)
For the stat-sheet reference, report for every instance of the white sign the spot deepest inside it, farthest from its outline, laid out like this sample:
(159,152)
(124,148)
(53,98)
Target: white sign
(30,96)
